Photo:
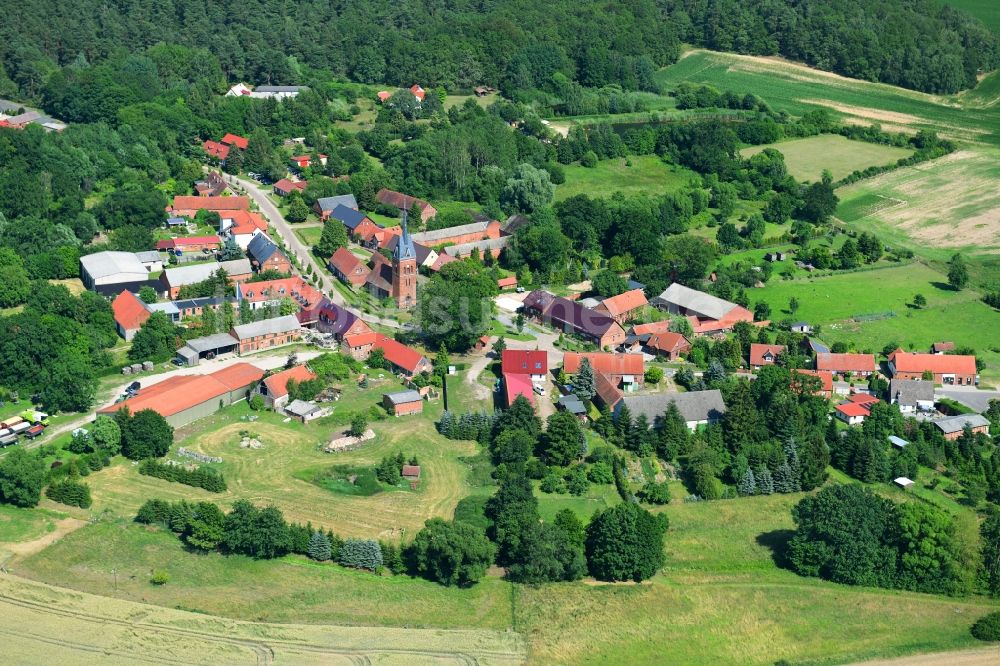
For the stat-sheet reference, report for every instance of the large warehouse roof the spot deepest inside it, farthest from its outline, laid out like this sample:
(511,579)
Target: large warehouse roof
(105,264)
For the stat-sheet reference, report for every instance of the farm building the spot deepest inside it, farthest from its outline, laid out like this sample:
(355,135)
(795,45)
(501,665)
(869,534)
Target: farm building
(515,384)
(494,246)
(185,398)
(912,395)
(573,405)
(242,225)
(534,364)
(696,407)
(861,365)
(623,307)
(761,355)
(572,317)
(402,403)
(188,206)
(825,378)
(207,347)
(464,233)
(172,279)
(130,314)
(404,201)
(946,368)
(708,314)
(274,389)
(267,333)
(670,345)
(112,268)
(326,205)
(304,411)
(284,187)
(348,267)
(952,427)
(411,473)
(625,369)
(190,244)
(403,359)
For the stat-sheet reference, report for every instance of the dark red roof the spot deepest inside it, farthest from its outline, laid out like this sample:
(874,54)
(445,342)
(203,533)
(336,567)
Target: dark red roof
(399,354)
(236,140)
(524,362)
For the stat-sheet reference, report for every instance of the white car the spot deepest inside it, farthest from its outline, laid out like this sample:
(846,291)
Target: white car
(539,389)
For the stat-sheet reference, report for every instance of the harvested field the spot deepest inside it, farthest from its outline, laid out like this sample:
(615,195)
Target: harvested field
(807,158)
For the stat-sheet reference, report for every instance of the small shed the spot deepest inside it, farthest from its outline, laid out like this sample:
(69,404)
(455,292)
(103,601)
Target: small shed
(898,442)
(403,403)
(411,473)
(303,411)
(801,327)
(903,482)
(573,405)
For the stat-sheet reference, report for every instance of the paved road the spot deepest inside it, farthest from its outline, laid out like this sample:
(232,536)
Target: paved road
(970,397)
(299,249)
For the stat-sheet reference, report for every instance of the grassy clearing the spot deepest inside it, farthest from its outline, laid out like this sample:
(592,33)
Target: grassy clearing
(648,175)
(75,285)
(275,474)
(17,524)
(987,11)
(807,158)
(310,235)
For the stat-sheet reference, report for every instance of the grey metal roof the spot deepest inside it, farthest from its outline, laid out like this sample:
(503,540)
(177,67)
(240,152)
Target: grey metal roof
(403,397)
(176,221)
(330,203)
(183,275)
(466,248)
(897,441)
(693,406)
(105,264)
(267,327)
(909,391)
(210,342)
(188,352)
(572,404)
(695,301)
(818,347)
(300,408)
(953,424)
(448,232)
(167,307)
(148,255)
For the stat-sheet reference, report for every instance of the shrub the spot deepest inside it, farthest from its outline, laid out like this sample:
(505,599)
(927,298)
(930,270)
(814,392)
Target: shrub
(601,473)
(987,628)
(202,477)
(159,577)
(361,554)
(655,493)
(257,403)
(69,492)
(553,483)
(654,375)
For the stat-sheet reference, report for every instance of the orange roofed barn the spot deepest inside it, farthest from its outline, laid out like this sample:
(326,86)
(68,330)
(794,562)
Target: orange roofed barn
(130,314)
(274,389)
(842,364)
(189,206)
(946,368)
(623,307)
(183,399)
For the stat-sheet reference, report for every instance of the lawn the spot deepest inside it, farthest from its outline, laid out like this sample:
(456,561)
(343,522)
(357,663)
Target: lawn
(17,524)
(277,474)
(309,235)
(648,175)
(808,158)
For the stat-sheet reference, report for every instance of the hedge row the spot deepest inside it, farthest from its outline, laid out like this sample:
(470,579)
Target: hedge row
(199,478)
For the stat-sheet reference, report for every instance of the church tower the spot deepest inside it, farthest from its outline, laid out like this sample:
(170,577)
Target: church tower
(404,270)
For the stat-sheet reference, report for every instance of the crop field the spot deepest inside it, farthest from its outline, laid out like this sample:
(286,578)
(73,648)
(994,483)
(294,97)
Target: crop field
(648,175)
(807,158)
(278,473)
(949,204)
(798,89)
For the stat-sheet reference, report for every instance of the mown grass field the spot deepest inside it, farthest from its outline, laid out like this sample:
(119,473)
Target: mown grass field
(721,598)
(807,158)
(987,11)
(309,235)
(648,175)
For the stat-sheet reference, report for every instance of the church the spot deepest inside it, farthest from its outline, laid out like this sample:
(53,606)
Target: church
(397,278)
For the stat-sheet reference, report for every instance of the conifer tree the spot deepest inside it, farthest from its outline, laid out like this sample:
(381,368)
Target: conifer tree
(748,484)
(319,547)
(765,481)
(584,383)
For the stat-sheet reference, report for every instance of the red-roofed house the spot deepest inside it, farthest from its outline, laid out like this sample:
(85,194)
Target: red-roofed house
(305,161)
(535,364)
(348,267)
(761,355)
(607,392)
(189,244)
(509,282)
(272,292)
(671,345)
(274,389)
(863,399)
(401,201)
(852,413)
(418,92)
(284,187)
(842,364)
(359,345)
(942,347)
(189,205)
(182,399)
(383,96)
(628,369)
(516,384)
(623,307)
(825,378)
(946,368)
(243,225)
(236,140)
(653,327)
(130,314)
(219,151)
(403,359)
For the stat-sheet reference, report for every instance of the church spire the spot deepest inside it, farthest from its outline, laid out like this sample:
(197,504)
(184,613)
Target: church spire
(404,248)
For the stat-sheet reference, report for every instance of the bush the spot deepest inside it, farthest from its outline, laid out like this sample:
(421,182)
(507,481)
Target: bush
(69,492)
(655,493)
(450,553)
(159,577)
(361,554)
(202,477)
(601,473)
(654,375)
(553,483)
(987,628)
(257,403)
(589,159)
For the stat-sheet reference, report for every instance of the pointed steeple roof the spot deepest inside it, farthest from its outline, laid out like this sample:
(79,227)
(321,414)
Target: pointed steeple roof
(404,248)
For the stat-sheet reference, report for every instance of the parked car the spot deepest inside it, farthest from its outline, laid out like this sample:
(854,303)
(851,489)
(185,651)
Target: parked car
(133,387)
(539,389)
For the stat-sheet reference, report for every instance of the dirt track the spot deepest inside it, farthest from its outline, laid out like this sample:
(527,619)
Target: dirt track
(979,657)
(45,625)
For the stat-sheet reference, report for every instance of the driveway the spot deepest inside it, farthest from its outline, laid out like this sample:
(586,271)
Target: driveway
(970,396)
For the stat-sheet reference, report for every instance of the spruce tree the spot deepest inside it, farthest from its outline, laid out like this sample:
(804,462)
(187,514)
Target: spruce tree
(319,547)
(794,466)
(584,383)
(765,481)
(783,479)
(748,484)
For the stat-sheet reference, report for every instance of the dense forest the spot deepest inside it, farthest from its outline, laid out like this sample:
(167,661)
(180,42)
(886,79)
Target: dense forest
(515,44)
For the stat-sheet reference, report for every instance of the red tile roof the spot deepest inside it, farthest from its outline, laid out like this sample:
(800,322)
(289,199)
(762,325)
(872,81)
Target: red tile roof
(509,281)
(399,354)
(236,140)
(623,303)
(361,339)
(863,399)
(652,327)
(938,364)
(182,241)
(286,185)
(344,260)
(516,384)
(245,222)
(411,471)
(846,362)
(176,394)
(130,312)
(668,342)
(610,364)
(825,376)
(210,203)
(758,352)
(853,409)
(607,391)
(277,384)
(216,149)
(294,287)
(942,346)
(524,362)
(418,92)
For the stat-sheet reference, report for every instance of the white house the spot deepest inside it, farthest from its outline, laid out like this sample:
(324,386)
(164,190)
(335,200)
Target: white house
(912,395)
